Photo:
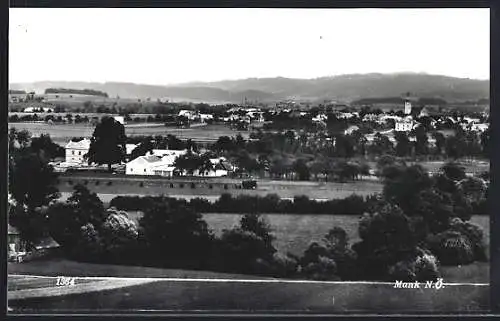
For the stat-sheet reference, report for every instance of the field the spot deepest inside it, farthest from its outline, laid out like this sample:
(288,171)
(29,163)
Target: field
(178,291)
(294,232)
(62,133)
(121,185)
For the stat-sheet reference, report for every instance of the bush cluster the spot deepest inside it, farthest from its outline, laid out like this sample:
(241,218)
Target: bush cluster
(271,203)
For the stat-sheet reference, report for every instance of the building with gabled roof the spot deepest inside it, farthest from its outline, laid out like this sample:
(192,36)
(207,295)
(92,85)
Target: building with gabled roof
(75,151)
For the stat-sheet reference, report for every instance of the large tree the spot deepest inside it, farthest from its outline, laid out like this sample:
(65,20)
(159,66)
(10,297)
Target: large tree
(108,143)
(32,186)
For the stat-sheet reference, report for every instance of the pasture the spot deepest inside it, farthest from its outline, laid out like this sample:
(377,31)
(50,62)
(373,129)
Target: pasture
(62,133)
(294,232)
(212,189)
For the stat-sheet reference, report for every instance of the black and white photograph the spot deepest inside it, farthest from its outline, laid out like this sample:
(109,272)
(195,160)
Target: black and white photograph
(248,161)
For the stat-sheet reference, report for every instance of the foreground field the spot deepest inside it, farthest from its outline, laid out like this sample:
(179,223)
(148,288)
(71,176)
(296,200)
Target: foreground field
(465,289)
(185,291)
(62,133)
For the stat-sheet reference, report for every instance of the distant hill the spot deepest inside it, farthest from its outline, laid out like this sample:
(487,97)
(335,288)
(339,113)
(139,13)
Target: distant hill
(345,88)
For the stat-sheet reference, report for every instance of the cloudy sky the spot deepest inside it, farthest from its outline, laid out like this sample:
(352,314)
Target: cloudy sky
(167,46)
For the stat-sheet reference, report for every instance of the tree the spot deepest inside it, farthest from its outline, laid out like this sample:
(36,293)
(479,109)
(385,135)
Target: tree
(175,235)
(485,141)
(32,186)
(402,187)
(248,248)
(386,238)
(403,144)
(119,235)
(440,142)
(66,219)
(300,167)
(108,143)
(143,148)
(422,141)
(46,147)
(381,145)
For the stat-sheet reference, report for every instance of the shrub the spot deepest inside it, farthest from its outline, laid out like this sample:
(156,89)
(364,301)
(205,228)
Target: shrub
(323,269)
(423,266)
(284,265)
(118,235)
(452,248)
(475,234)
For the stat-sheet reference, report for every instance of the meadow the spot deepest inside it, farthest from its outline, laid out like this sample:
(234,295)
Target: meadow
(294,232)
(62,133)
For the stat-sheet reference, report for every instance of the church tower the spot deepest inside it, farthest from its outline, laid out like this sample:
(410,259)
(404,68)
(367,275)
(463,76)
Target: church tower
(407,101)
(407,107)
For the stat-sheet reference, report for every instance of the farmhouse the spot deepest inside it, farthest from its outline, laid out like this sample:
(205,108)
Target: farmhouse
(157,162)
(75,151)
(145,165)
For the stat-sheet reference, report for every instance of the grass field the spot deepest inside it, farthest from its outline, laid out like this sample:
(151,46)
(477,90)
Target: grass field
(62,133)
(294,232)
(206,296)
(138,185)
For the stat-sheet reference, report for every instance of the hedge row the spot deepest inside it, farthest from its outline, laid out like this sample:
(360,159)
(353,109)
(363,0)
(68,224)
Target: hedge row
(271,203)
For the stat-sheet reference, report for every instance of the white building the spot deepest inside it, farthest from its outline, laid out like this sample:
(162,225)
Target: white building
(75,151)
(129,148)
(319,118)
(404,125)
(38,109)
(146,165)
(205,117)
(189,114)
(351,130)
(479,127)
(120,119)
(407,107)
(158,162)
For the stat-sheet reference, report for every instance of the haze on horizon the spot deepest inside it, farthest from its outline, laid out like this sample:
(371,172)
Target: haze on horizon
(171,46)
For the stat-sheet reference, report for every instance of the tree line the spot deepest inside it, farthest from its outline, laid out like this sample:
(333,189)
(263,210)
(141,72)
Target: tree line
(90,92)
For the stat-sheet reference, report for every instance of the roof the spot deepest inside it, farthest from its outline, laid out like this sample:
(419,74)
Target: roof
(83,144)
(150,158)
(163,152)
(164,167)
(130,148)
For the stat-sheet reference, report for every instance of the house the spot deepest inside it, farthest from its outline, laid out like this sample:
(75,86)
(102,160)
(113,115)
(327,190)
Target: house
(144,165)
(157,162)
(205,117)
(319,118)
(14,240)
(75,151)
(167,152)
(129,148)
(120,119)
(189,114)
(479,127)
(404,125)
(350,130)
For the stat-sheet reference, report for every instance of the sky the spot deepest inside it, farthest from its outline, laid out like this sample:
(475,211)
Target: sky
(169,46)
